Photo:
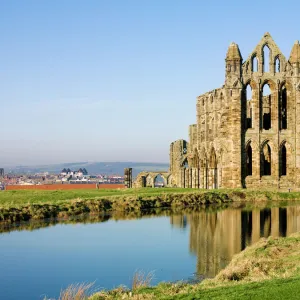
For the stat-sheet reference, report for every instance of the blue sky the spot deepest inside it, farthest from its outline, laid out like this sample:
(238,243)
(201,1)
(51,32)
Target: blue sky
(117,80)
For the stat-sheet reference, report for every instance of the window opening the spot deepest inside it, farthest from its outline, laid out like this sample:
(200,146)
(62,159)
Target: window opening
(159,181)
(283,161)
(266,56)
(266,107)
(249,161)
(248,107)
(277,65)
(185,164)
(283,108)
(266,160)
(254,64)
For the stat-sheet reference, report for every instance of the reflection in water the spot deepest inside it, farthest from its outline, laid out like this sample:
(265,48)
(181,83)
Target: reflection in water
(216,233)
(216,237)
(179,221)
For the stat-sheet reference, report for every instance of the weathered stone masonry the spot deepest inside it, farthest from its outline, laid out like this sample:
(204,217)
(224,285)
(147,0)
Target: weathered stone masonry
(245,136)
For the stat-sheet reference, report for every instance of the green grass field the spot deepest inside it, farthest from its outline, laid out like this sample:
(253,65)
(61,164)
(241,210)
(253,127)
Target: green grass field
(20,198)
(23,205)
(278,289)
(23,197)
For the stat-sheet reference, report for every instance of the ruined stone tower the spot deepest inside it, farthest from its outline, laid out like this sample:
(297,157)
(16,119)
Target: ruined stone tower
(247,132)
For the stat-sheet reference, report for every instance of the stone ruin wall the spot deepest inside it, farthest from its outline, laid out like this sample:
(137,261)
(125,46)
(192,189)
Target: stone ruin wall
(209,143)
(217,154)
(239,141)
(257,137)
(147,179)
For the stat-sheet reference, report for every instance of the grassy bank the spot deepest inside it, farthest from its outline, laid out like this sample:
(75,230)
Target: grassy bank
(44,205)
(116,215)
(25,205)
(269,269)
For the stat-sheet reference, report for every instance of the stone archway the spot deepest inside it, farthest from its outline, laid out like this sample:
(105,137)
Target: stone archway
(159,180)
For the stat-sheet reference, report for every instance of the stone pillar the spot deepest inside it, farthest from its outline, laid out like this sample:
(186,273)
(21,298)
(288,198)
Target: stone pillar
(275,163)
(186,171)
(235,129)
(197,178)
(201,178)
(255,163)
(219,177)
(182,178)
(193,171)
(255,140)
(208,178)
(275,138)
(194,178)
(128,177)
(296,127)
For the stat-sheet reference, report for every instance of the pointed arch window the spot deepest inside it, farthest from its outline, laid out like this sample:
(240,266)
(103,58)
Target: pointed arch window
(254,64)
(277,65)
(221,97)
(249,160)
(185,164)
(159,181)
(248,107)
(283,108)
(266,107)
(282,162)
(266,57)
(266,160)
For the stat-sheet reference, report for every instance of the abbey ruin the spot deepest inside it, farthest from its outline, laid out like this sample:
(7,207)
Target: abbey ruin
(247,132)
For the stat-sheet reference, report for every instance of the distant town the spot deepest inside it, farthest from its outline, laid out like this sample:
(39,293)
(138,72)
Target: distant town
(66,176)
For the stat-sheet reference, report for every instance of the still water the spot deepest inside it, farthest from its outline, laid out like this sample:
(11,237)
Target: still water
(177,246)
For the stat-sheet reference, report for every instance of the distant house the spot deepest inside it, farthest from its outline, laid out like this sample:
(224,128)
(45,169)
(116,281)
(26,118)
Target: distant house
(63,172)
(68,175)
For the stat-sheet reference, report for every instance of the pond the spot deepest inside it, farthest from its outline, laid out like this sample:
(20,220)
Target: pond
(186,245)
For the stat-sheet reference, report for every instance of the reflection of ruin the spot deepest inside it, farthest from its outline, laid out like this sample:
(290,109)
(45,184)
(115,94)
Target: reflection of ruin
(216,237)
(179,221)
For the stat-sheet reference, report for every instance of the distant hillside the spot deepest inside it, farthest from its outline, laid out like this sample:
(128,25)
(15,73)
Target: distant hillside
(92,167)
